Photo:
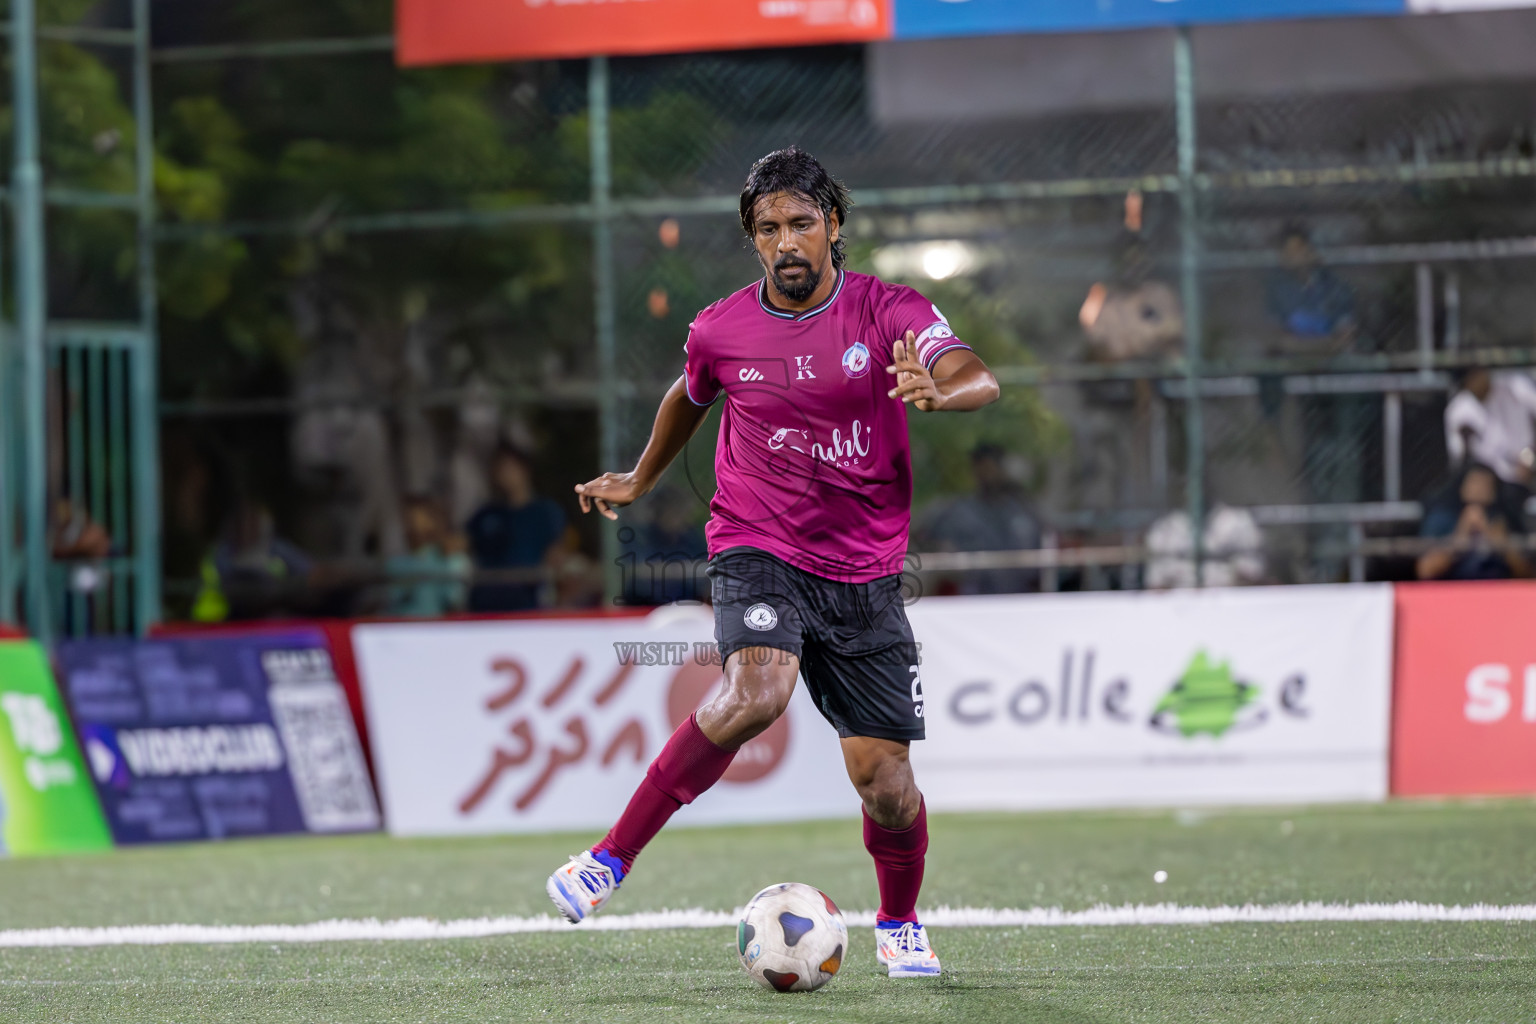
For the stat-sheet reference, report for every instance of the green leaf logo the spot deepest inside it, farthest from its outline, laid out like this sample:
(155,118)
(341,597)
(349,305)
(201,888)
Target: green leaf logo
(1206,699)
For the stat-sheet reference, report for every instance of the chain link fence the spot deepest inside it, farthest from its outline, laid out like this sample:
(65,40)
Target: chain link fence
(1357,245)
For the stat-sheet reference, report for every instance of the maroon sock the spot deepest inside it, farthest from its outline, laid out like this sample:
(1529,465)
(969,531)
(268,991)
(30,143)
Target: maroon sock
(898,857)
(687,766)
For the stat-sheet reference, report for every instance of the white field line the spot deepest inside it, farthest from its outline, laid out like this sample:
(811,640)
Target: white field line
(416,929)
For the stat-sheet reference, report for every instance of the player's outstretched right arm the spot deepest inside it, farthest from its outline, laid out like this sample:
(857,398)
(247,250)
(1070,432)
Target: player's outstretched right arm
(676,421)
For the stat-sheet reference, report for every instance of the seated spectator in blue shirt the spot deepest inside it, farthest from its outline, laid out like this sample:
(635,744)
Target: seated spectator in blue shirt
(995,517)
(1313,306)
(662,559)
(1478,529)
(515,530)
(428,580)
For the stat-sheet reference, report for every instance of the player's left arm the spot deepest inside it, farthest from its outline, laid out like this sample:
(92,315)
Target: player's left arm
(959,381)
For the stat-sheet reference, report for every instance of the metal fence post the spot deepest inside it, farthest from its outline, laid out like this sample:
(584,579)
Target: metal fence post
(8,568)
(144,373)
(604,322)
(1189,231)
(31,313)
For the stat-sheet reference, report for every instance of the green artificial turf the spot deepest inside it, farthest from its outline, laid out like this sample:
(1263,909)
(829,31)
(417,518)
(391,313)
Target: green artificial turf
(1438,853)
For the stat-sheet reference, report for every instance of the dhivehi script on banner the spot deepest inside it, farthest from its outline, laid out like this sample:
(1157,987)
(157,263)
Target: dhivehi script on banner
(540,725)
(1222,696)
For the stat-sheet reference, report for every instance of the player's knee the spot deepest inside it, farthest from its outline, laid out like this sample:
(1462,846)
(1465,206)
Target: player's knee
(750,706)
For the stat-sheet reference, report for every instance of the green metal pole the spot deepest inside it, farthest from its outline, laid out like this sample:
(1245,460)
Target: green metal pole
(604,317)
(144,373)
(31,315)
(1193,294)
(9,570)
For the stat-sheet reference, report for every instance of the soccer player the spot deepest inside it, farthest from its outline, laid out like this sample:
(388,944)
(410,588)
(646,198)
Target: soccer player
(818,367)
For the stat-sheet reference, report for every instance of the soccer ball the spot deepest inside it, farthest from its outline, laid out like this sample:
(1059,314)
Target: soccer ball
(792,937)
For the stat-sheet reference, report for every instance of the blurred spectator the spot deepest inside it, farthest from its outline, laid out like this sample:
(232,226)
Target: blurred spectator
(1315,311)
(1491,421)
(1133,316)
(1313,307)
(76,536)
(251,572)
(516,529)
(1477,527)
(661,556)
(994,518)
(1233,555)
(83,542)
(578,578)
(430,576)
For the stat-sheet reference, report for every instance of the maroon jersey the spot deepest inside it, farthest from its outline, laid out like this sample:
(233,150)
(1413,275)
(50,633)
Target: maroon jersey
(813,464)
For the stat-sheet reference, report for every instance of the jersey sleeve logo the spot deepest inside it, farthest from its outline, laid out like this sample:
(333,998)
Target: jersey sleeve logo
(935,339)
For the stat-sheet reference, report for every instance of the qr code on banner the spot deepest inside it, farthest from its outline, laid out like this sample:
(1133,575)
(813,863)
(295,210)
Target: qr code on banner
(325,759)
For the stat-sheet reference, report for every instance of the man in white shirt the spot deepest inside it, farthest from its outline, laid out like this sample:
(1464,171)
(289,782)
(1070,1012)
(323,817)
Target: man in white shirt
(1492,421)
(1233,555)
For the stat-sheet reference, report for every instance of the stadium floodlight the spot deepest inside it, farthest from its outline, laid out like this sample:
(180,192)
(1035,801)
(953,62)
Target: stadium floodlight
(943,260)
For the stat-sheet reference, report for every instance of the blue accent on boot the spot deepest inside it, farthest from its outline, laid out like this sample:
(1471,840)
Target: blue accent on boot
(891,925)
(612,863)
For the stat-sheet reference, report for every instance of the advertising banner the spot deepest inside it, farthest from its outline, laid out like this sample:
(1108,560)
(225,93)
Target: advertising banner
(47,804)
(1450,6)
(1223,696)
(1464,706)
(541,726)
(215,737)
(447,31)
(921,19)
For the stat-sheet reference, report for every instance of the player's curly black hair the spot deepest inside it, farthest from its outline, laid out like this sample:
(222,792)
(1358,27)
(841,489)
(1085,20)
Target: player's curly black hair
(795,171)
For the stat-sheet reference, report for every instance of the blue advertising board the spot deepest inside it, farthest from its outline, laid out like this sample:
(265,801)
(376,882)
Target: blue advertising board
(923,19)
(209,738)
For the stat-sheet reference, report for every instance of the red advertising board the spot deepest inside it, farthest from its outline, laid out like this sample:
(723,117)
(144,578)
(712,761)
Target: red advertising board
(1464,709)
(449,31)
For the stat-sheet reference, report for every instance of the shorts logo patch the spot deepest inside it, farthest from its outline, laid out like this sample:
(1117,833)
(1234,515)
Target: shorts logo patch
(856,360)
(761,617)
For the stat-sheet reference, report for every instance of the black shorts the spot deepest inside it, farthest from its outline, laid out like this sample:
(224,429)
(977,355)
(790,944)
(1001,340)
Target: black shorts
(854,643)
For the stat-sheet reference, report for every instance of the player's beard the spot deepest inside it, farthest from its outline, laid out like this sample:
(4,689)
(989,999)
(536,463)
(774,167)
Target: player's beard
(799,290)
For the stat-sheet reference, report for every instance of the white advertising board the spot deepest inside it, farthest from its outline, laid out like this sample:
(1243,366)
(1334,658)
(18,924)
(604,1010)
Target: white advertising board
(1231,696)
(548,725)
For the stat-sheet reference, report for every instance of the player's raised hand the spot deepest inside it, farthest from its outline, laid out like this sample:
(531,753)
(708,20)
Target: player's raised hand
(609,492)
(914,384)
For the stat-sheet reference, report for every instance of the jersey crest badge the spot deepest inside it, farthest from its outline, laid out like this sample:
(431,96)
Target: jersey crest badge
(856,360)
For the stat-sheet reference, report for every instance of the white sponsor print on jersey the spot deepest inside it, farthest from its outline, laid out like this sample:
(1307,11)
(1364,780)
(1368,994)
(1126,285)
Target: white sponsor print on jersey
(785,437)
(761,617)
(843,450)
(750,374)
(803,368)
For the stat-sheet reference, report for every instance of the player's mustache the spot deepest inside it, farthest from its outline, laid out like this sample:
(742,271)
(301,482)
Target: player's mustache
(790,261)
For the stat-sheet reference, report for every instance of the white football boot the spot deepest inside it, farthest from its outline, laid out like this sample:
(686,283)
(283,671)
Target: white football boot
(581,887)
(904,951)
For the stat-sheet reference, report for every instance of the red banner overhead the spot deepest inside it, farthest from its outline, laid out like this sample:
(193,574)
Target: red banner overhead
(450,31)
